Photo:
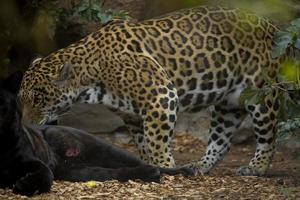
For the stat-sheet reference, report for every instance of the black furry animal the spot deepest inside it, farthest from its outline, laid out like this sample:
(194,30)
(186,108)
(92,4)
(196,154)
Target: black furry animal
(31,157)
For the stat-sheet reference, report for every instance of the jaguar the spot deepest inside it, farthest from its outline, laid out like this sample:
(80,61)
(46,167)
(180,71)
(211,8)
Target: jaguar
(183,61)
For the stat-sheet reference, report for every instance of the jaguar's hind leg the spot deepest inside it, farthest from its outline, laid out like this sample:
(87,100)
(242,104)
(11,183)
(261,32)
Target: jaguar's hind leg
(264,117)
(223,124)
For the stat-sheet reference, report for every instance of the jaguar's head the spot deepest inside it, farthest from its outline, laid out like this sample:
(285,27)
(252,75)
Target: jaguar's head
(46,91)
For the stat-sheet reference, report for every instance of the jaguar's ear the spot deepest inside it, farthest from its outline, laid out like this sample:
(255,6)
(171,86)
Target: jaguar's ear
(64,75)
(36,59)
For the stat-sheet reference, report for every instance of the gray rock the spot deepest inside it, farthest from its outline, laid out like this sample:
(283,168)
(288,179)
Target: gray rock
(98,119)
(91,118)
(195,123)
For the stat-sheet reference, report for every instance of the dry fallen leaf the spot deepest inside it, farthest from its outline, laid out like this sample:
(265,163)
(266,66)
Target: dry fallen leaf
(90,184)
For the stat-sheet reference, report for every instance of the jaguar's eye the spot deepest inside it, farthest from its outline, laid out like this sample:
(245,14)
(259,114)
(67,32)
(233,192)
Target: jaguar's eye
(37,99)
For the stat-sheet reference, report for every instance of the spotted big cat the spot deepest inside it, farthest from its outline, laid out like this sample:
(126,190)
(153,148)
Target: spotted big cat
(183,61)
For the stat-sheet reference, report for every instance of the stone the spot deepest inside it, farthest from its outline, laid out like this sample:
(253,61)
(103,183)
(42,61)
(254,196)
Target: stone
(91,118)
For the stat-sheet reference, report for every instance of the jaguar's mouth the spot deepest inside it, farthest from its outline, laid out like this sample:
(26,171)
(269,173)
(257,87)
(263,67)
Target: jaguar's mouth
(37,119)
(44,120)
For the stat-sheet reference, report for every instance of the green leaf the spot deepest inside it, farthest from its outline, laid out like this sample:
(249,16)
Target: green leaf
(103,17)
(293,110)
(255,99)
(282,40)
(292,29)
(247,94)
(280,34)
(296,22)
(82,7)
(96,8)
(297,43)
(277,51)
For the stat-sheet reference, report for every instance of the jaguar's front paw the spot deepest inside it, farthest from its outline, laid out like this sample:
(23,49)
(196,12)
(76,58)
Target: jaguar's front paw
(32,183)
(249,171)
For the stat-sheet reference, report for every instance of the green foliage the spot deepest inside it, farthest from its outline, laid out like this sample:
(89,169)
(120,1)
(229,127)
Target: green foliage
(286,45)
(91,11)
(252,95)
(290,37)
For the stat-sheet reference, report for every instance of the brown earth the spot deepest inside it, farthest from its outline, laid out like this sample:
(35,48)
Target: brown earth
(281,182)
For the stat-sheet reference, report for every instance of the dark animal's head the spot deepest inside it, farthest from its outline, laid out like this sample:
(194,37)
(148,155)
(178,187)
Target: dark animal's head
(9,114)
(12,82)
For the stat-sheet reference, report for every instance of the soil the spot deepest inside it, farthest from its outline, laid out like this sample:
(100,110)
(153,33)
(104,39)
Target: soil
(281,182)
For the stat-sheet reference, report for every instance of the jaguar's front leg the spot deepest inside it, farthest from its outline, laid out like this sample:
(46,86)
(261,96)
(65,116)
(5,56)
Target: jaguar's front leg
(153,96)
(152,135)
(223,124)
(264,117)
(134,125)
(159,122)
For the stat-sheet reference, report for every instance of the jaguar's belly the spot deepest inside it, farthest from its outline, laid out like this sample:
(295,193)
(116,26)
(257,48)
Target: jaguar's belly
(196,100)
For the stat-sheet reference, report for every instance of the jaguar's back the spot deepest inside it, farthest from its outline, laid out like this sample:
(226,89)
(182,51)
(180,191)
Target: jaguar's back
(207,52)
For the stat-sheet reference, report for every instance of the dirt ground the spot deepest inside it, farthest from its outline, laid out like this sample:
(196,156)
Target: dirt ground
(281,182)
